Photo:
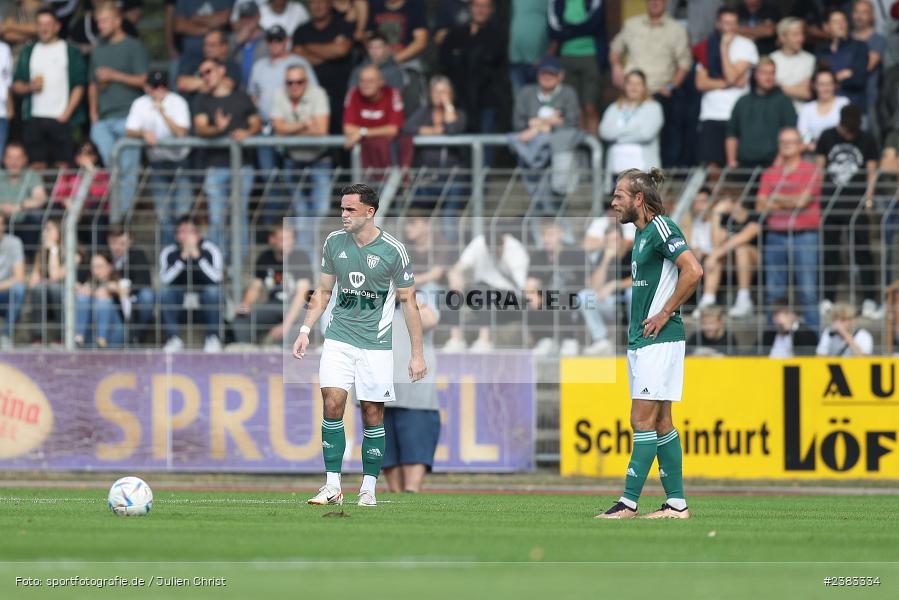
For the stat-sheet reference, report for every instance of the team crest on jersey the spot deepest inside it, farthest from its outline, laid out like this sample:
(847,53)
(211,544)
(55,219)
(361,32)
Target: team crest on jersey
(357,279)
(373,261)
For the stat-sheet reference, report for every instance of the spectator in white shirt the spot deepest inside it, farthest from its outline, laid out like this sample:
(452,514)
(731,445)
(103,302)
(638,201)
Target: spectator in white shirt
(795,66)
(632,126)
(844,337)
(722,81)
(499,265)
(823,112)
(159,115)
(288,15)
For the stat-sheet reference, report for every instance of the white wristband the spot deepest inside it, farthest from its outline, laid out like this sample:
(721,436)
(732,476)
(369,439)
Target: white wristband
(305,329)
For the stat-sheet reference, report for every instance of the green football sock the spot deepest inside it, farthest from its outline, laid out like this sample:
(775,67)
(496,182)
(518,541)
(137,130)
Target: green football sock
(671,466)
(373,444)
(333,444)
(641,460)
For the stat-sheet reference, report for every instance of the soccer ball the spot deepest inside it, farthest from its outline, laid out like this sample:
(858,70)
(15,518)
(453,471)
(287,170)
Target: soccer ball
(130,497)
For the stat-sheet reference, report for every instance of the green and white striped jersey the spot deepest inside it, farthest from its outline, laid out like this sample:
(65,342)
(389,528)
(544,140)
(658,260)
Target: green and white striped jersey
(656,248)
(367,280)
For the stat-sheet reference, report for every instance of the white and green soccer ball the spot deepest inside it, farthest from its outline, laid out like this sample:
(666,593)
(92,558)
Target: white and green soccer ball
(130,497)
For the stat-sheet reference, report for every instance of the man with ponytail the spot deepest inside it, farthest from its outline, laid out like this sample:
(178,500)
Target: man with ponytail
(664,274)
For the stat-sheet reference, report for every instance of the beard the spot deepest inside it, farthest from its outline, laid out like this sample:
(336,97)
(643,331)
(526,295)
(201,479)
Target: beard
(628,215)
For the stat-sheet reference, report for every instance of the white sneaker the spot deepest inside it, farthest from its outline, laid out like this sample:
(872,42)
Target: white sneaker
(455,345)
(544,347)
(327,494)
(482,346)
(824,308)
(212,344)
(870,310)
(704,303)
(741,309)
(600,348)
(367,499)
(5,342)
(175,344)
(569,347)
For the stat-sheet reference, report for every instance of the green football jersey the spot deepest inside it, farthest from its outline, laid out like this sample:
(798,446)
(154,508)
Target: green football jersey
(367,279)
(656,248)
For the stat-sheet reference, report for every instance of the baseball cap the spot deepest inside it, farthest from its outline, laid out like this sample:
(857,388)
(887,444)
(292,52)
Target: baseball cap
(275,32)
(247,9)
(551,64)
(157,79)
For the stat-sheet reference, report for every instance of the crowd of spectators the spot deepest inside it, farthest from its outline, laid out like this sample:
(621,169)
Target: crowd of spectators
(806,96)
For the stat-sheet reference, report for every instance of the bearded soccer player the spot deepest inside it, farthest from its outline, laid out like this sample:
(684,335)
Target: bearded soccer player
(371,269)
(665,273)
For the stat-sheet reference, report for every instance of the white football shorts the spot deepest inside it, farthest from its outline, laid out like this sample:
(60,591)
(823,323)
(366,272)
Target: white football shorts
(370,371)
(656,372)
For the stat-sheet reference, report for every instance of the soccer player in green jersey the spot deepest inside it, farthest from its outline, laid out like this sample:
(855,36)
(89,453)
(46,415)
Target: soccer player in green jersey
(665,273)
(371,269)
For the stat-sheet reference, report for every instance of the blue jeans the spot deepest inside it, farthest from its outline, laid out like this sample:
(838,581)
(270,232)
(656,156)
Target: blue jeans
(171,301)
(106,318)
(11,301)
(217,186)
(144,301)
(795,253)
(172,195)
(105,133)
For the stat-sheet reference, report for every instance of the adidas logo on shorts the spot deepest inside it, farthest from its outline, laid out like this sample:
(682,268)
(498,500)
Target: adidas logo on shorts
(373,452)
(387,394)
(645,391)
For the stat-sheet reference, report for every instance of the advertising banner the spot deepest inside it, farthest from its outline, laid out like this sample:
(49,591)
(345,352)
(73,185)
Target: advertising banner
(233,412)
(747,418)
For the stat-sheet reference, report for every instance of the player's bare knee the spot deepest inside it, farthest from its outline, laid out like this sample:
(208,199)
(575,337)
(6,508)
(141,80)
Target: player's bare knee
(372,413)
(334,401)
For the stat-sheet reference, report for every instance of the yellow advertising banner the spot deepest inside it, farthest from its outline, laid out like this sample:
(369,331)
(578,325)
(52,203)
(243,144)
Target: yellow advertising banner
(745,418)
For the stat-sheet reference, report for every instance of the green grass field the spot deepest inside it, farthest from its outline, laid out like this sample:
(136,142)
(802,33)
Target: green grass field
(448,546)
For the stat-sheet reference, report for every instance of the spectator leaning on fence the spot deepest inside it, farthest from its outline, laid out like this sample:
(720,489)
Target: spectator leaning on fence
(789,194)
(795,66)
(225,112)
(712,337)
(843,337)
(50,76)
(134,270)
(300,108)
(372,118)
(326,41)
(723,81)
(849,157)
(193,265)
(631,125)
(118,73)
(156,116)
(12,283)
(660,47)
(276,296)
(756,120)
(823,112)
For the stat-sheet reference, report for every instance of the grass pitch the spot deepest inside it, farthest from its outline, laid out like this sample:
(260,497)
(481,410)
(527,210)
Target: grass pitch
(446,546)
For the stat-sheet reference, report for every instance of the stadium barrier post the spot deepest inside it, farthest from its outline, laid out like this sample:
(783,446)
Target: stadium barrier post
(71,240)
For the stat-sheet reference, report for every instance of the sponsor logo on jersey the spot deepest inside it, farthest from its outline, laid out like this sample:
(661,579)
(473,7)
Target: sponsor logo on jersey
(342,254)
(407,276)
(675,243)
(372,260)
(357,279)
